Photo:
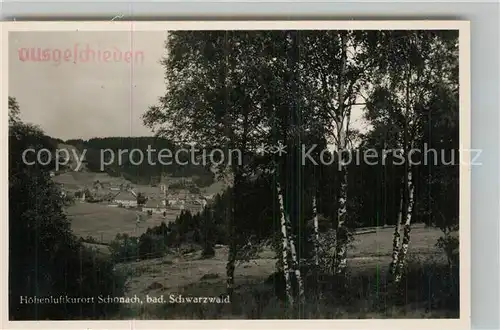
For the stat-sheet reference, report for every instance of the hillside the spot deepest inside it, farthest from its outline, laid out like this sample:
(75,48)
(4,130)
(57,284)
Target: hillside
(191,275)
(98,155)
(102,222)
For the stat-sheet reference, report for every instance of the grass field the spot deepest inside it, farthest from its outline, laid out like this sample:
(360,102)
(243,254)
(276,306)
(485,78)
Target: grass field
(376,247)
(368,258)
(191,275)
(74,181)
(103,222)
(367,251)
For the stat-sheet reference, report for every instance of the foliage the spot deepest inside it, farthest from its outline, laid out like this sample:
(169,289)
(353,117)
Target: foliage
(429,295)
(141,199)
(128,164)
(450,244)
(124,248)
(245,89)
(45,258)
(14,111)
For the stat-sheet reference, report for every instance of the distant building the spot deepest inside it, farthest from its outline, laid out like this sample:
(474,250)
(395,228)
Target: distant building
(126,198)
(172,201)
(154,206)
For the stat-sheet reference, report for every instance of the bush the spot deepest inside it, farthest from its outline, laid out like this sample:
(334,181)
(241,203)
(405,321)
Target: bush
(152,246)
(82,273)
(124,248)
(450,245)
(45,258)
(432,283)
(148,246)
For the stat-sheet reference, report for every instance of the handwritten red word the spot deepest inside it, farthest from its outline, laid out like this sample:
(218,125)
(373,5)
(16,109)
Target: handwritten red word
(79,54)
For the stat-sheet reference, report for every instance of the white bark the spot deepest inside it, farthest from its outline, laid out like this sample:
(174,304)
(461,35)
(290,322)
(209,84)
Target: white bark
(342,140)
(341,240)
(409,187)
(396,241)
(295,264)
(407,229)
(286,246)
(316,233)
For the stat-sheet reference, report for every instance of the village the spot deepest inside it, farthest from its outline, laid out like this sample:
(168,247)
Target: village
(183,194)
(105,206)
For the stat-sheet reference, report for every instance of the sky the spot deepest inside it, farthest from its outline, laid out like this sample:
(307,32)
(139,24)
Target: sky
(101,92)
(76,99)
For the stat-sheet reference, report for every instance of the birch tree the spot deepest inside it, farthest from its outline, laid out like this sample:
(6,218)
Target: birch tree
(315,232)
(339,65)
(230,90)
(286,246)
(410,63)
(213,80)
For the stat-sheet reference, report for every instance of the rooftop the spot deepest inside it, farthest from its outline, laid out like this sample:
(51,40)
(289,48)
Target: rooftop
(125,196)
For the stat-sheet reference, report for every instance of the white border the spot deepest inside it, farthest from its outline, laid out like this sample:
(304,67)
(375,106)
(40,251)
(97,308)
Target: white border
(465,172)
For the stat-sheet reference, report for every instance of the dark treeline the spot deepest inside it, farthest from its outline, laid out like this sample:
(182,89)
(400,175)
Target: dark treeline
(248,89)
(45,258)
(132,168)
(251,89)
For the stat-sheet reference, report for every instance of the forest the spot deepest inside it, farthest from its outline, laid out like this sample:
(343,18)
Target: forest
(250,90)
(139,172)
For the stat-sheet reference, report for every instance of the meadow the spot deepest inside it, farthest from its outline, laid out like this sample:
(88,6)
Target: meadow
(368,260)
(103,222)
(189,274)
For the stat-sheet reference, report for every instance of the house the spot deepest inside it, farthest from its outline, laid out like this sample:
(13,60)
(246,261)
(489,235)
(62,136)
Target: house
(126,198)
(154,206)
(171,201)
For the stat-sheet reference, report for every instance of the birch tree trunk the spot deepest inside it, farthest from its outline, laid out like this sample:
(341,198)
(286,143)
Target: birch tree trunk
(341,237)
(408,186)
(315,233)
(396,240)
(293,122)
(407,229)
(286,246)
(295,264)
(342,124)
